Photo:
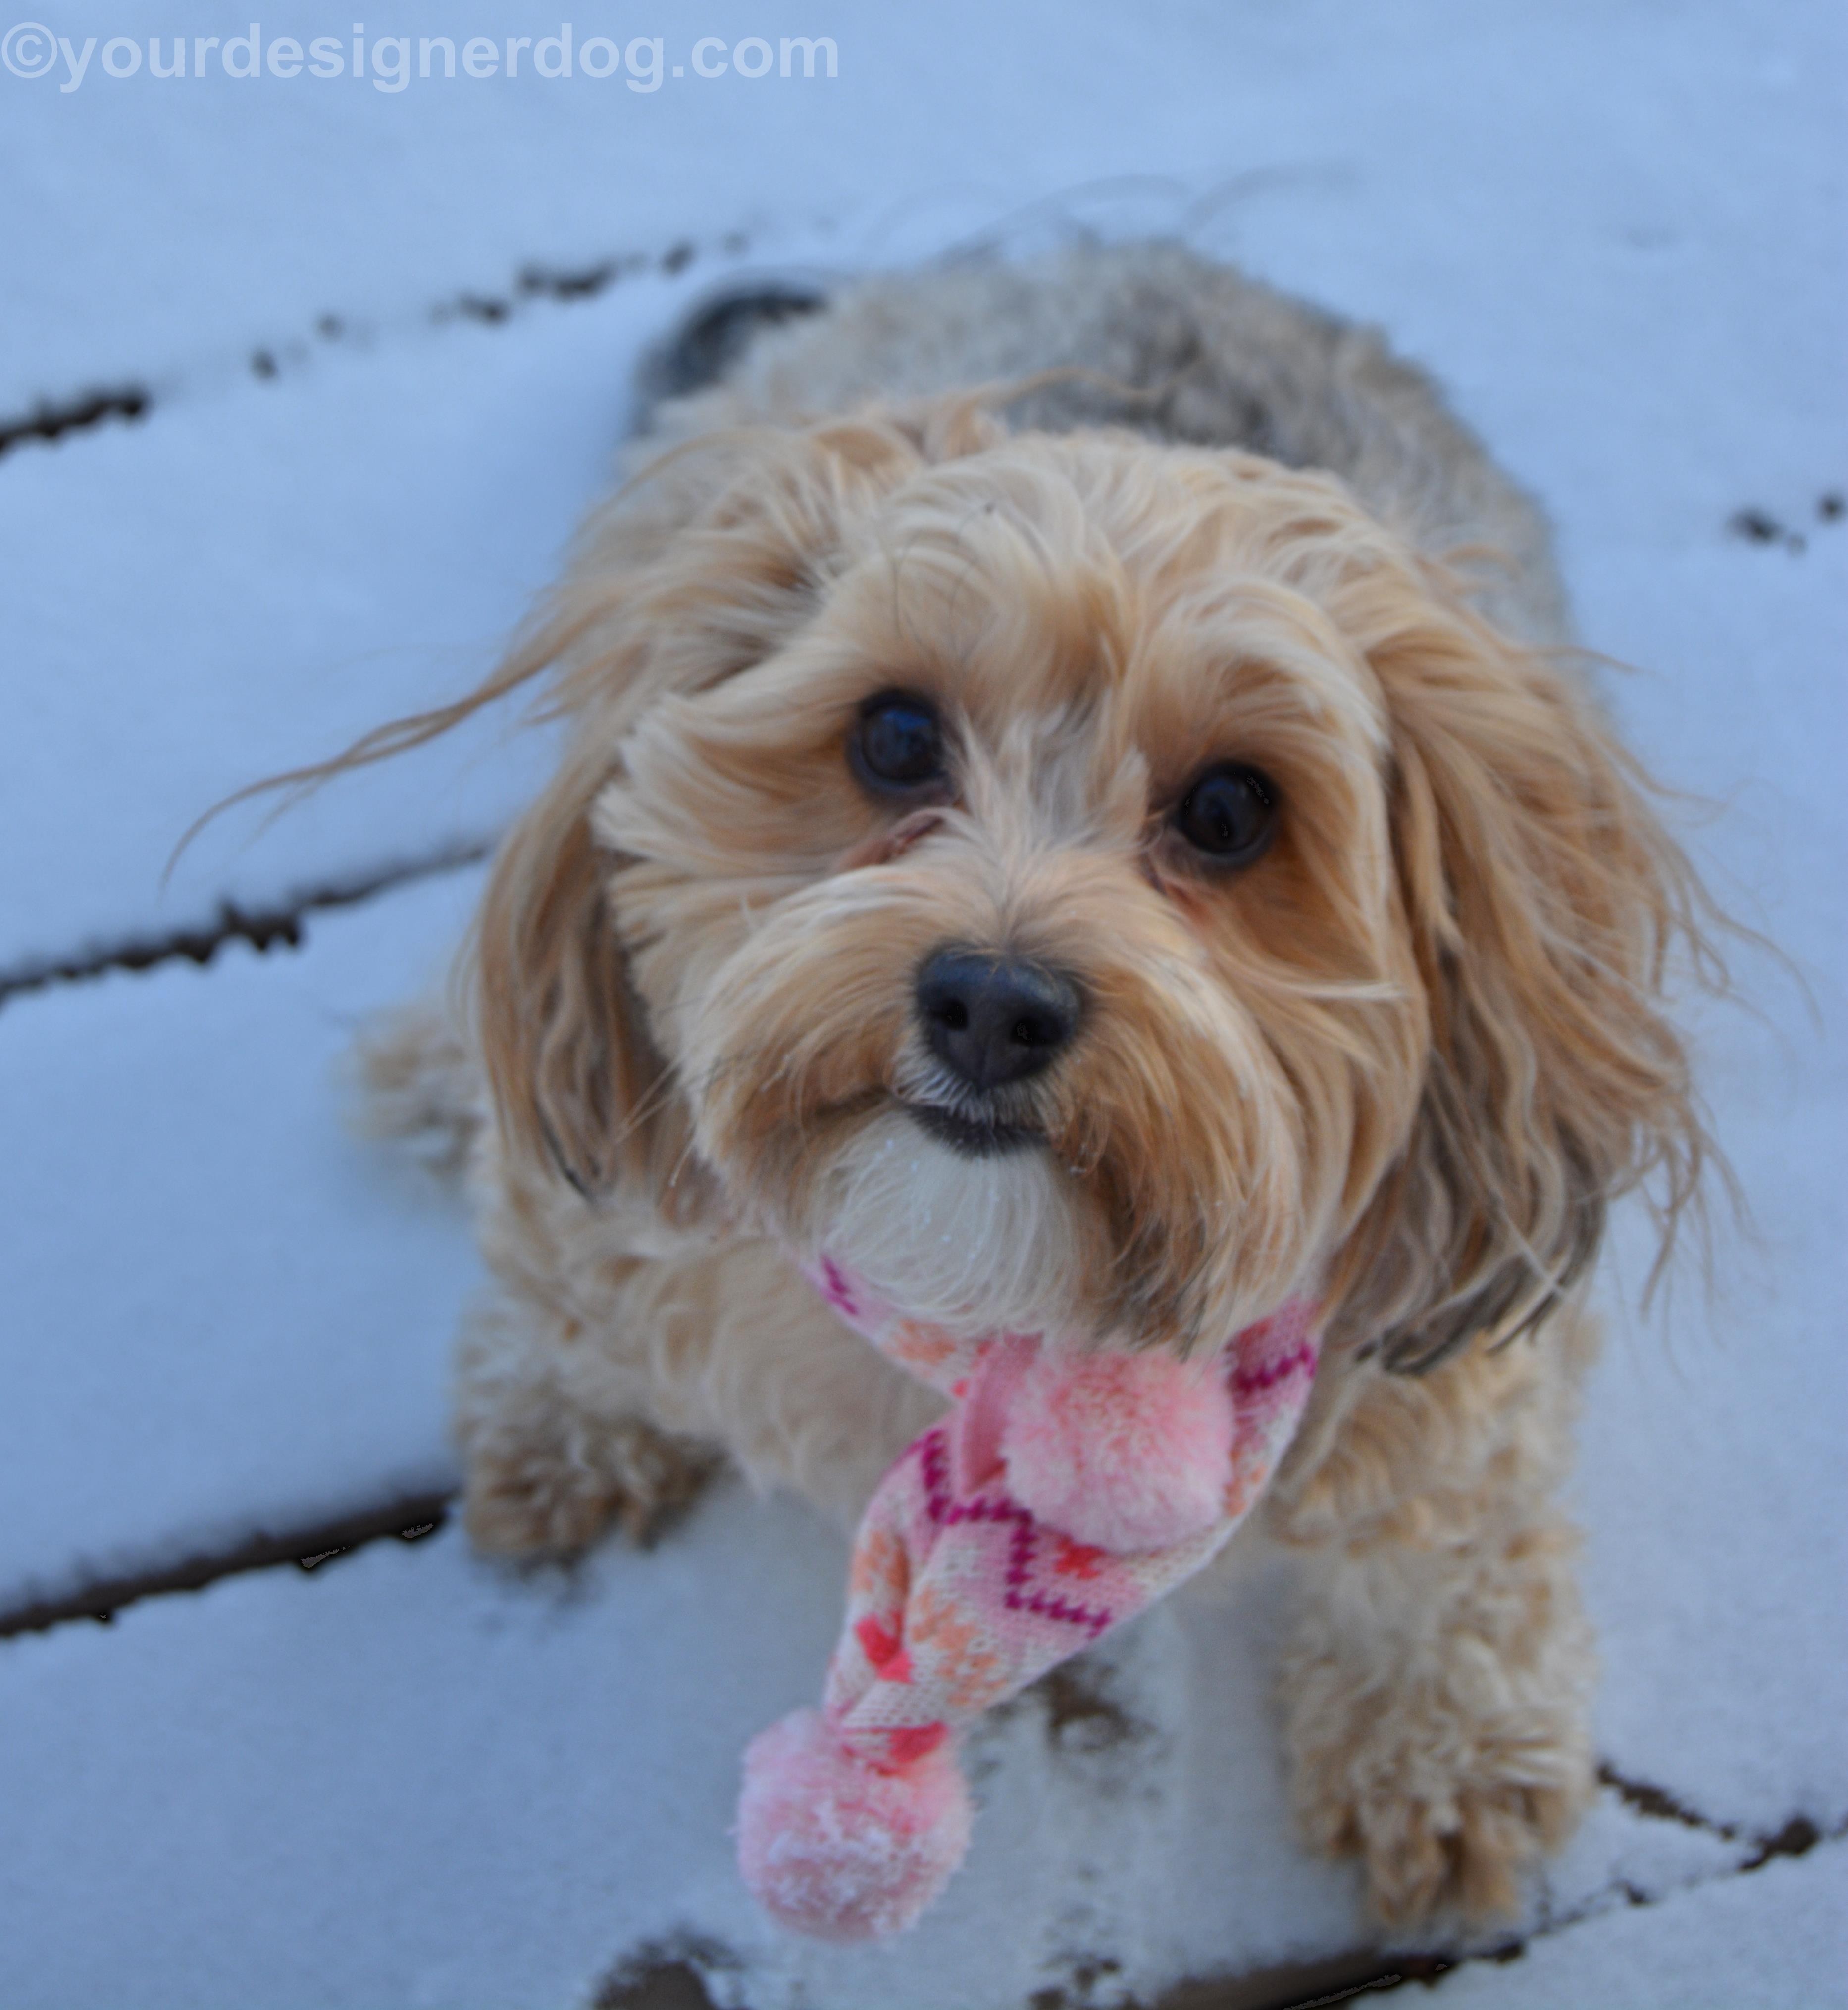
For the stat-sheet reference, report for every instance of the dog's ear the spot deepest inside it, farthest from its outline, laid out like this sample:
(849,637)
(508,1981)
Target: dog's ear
(1543,899)
(577,1087)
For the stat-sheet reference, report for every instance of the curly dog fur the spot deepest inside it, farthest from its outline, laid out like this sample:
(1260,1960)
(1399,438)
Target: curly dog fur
(1112,519)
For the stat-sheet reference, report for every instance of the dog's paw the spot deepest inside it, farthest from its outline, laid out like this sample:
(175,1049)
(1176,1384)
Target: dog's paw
(1461,1851)
(1449,1790)
(547,1486)
(1437,1706)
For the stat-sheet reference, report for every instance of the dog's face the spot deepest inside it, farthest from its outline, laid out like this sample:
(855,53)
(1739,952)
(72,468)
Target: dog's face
(1026,926)
(1089,884)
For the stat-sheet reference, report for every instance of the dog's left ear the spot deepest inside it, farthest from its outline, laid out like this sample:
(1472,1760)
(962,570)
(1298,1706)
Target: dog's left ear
(1543,899)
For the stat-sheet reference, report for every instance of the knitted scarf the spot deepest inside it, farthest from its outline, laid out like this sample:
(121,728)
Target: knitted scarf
(1067,1491)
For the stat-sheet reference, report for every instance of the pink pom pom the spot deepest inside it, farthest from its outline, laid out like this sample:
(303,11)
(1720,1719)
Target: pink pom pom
(1122,1451)
(832,1846)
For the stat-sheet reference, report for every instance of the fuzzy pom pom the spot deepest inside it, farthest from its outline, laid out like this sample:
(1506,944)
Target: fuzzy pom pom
(1121,1451)
(831,1845)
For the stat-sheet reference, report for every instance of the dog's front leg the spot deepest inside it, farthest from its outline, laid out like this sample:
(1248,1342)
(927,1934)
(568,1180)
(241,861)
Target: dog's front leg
(556,1424)
(1437,1687)
(595,1385)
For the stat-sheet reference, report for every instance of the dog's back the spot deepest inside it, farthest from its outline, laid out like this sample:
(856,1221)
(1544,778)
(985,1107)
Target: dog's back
(1171,345)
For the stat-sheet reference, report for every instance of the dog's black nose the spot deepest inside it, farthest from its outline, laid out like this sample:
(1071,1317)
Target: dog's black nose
(994,1019)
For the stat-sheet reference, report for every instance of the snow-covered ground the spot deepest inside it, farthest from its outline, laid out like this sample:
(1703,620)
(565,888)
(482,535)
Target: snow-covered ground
(382,338)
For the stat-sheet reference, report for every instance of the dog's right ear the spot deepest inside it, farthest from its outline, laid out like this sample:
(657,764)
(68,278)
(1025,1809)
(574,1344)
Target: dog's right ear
(577,1086)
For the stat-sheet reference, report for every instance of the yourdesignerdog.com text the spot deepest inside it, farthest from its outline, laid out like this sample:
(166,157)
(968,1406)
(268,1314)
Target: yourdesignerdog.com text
(394,62)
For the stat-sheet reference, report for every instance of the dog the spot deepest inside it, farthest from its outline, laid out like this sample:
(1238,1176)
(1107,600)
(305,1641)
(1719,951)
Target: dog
(1078,792)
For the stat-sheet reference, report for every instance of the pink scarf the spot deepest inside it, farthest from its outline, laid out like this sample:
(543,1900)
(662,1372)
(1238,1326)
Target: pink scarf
(1066,1492)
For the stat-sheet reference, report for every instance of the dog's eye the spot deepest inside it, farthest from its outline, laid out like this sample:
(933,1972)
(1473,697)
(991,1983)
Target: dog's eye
(897,745)
(1230,814)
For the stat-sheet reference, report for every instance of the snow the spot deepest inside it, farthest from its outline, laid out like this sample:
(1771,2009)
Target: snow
(1764,1942)
(410,1778)
(239,1315)
(401,1780)
(251,582)
(1487,162)
(288,561)
(1612,230)
(413,1778)
(1616,1851)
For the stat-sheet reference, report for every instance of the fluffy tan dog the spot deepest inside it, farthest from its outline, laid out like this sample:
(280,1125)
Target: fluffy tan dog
(1115,853)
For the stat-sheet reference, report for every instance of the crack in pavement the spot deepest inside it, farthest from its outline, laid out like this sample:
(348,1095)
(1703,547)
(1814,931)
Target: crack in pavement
(49,421)
(408,1517)
(53,418)
(1797,1837)
(262,928)
(1367,1971)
